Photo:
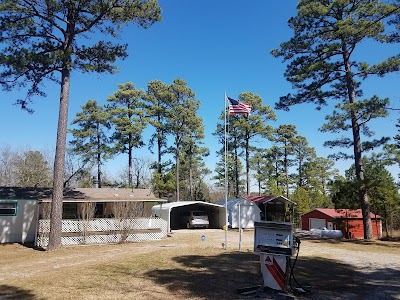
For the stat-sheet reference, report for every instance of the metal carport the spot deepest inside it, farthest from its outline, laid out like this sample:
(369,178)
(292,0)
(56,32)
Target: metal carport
(173,212)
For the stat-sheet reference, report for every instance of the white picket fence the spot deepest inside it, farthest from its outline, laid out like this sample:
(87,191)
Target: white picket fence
(104,231)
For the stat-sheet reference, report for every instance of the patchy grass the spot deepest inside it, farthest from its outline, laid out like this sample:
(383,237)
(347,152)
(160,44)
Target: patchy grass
(374,246)
(179,267)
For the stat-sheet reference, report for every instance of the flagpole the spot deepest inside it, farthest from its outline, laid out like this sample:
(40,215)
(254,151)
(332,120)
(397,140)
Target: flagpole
(226,176)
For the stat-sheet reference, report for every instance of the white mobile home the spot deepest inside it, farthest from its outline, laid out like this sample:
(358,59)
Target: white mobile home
(25,213)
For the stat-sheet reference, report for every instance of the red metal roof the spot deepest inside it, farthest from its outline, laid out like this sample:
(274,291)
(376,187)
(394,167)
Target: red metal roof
(345,213)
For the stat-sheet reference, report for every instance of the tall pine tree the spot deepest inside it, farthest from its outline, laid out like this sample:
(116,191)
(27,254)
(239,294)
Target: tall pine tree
(253,127)
(323,66)
(183,121)
(157,103)
(127,114)
(91,140)
(46,41)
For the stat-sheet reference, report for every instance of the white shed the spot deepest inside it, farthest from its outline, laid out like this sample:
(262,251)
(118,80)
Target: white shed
(19,213)
(173,213)
(241,210)
(18,220)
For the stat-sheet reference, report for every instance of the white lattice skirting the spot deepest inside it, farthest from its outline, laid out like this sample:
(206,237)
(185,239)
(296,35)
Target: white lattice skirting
(104,231)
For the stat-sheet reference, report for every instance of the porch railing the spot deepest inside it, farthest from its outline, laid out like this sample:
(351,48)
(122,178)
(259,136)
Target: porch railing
(104,231)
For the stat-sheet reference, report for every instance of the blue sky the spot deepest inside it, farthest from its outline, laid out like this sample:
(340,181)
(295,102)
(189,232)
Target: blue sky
(216,47)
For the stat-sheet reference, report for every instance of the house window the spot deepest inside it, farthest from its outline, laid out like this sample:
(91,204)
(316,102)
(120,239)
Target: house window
(69,210)
(99,212)
(8,208)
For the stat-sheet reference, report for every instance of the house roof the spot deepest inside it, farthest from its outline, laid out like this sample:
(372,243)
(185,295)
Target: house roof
(265,199)
(24,193)
(344,213)
(81,194)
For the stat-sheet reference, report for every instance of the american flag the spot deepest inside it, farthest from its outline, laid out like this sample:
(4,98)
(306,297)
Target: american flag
(237,107)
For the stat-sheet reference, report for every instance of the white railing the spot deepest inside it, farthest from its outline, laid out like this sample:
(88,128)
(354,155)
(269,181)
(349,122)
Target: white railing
(104,231)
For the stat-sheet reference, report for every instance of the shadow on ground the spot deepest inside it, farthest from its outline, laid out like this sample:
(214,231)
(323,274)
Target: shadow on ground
(378,243)
(219,277)
(333,280)
(211,277)
(12,292)
(30,245)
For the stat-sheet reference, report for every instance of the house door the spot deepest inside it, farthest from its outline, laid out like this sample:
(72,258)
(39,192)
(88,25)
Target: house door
(330,225)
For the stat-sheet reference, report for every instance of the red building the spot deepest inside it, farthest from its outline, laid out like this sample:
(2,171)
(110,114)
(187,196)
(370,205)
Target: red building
(349,221)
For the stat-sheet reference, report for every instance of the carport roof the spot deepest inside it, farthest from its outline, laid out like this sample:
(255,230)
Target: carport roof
(185,203)
(265,199)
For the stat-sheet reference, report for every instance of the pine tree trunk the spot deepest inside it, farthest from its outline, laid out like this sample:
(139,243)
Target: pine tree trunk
(385,213)
(236,171)
(177,172)
(98,158)
(191,186)
(159,150)
(59,161)
(137,179)
(130,182)
(362,192)
(286,171)
(300,182)
(247,165)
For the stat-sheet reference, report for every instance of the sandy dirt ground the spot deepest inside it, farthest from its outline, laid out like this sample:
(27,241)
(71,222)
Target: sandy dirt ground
(331,269)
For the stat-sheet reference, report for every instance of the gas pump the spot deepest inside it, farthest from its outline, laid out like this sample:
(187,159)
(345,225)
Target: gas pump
(274,241)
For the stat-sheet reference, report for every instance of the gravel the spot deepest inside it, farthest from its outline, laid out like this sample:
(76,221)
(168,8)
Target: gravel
(334,269)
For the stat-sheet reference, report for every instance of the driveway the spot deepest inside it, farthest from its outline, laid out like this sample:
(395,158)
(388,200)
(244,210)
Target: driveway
(194,265)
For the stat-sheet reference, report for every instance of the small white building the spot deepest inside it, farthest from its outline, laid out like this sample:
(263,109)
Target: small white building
(242,212)
(18,214)
(173,213)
